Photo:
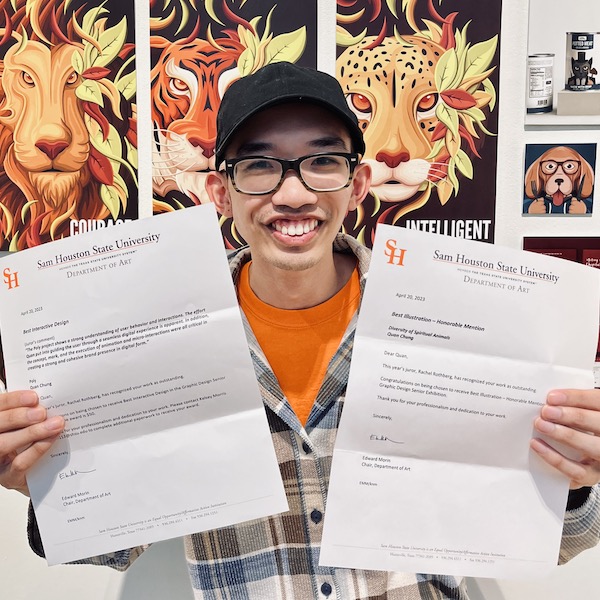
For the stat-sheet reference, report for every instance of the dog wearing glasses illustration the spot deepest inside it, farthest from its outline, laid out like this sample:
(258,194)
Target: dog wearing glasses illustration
(560,181)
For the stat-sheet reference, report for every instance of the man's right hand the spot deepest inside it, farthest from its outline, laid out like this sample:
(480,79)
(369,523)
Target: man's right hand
(26,433)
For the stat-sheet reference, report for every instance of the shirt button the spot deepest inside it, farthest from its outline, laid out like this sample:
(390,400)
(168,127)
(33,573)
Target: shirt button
(316,516)
(326,589)
(306,448)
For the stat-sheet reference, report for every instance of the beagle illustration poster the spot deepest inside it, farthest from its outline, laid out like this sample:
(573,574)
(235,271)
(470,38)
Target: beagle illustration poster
(559,179)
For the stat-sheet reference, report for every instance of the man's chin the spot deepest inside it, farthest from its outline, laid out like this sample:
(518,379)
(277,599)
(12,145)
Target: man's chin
(286,258)
(292,260)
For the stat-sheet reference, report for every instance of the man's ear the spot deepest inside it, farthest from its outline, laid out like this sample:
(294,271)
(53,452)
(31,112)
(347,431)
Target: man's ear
(361,184)
(216,188)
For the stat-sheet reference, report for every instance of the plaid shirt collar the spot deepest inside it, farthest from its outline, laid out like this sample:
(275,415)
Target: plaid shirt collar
(334,386)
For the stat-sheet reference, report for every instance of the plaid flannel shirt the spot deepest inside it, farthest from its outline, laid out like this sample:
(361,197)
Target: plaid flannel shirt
(277,558)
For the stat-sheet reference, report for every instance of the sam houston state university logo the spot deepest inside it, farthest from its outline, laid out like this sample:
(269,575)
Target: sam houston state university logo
(11,279)
(395,255)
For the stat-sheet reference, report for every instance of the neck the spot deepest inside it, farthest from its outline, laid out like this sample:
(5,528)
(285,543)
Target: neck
(295,290)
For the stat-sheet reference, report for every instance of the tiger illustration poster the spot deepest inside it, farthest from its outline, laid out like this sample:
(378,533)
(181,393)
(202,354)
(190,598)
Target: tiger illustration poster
(422,78)
(68,146)
(197,51)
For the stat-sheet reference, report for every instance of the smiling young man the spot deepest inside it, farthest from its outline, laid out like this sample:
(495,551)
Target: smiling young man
(291,229)
(288,149)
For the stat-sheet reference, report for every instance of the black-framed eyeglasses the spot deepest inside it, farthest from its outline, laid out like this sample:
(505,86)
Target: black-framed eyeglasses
(323,172)
(568,166)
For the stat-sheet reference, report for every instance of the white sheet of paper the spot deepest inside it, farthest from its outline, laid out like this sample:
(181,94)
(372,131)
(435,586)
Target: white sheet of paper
(134,335)
(457,344)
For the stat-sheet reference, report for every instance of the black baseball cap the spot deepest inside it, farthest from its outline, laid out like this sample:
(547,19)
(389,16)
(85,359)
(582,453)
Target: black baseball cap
(280,83)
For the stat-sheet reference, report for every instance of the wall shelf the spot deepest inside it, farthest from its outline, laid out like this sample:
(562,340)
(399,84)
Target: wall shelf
(551,120)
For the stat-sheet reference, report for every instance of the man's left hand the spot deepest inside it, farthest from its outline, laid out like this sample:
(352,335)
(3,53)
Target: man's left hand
(571,417)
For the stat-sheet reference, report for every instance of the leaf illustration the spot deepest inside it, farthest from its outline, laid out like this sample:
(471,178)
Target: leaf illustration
(448,116)
(111,42)
(120,182)
(452,143)
(345,39)
(245,62)
(464,164)
(91,17)
(446,70)
(466,135)
(452,175)
(353,18)
(24,212)
(435,30)
(483,98)
(267,30)
(254,23)
(458,99)
(89,91)
(57,222)
(92,109)
(437,148)
(480,56)
(23,41)
(122,191)
(77,62)
(468,125)
(131,135)
(108,88)
(392,6)
(476,114)
(286,47)
(127,85)
(126,63)
(112,146)
(90,54)
(95,73)
(100,167)
(470,84)
(488,86)
(8,216)
(439,132)
(110,198)
(185,15)
(209,5)
(444,191)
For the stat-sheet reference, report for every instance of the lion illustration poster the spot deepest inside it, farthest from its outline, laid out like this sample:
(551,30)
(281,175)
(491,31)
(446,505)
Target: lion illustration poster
(197,51)
(422,78)
(559,179)
(67,119)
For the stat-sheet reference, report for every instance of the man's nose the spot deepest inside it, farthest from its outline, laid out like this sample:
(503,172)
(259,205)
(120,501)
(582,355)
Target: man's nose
(292,192)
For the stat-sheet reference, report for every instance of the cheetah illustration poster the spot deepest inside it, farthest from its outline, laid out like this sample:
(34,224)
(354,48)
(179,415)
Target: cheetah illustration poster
(422,78)
(559,179)
(197,51)
(68,146)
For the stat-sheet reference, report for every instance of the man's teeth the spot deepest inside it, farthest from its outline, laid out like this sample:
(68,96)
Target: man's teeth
(296,228)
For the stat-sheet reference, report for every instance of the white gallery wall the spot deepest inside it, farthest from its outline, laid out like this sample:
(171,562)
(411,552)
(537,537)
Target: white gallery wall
(161,572)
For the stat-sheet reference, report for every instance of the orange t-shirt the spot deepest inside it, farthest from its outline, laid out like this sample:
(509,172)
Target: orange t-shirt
(300,343)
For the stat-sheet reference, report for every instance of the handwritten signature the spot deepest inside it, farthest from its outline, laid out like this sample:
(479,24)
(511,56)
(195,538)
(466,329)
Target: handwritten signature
(72,473)
(383,438)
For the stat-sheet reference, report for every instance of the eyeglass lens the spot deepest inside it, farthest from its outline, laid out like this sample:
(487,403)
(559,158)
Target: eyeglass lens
(320,173)
(568,166)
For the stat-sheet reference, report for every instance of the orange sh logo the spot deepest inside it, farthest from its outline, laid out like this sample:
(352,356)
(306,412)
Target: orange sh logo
(395,255)
(11,279)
